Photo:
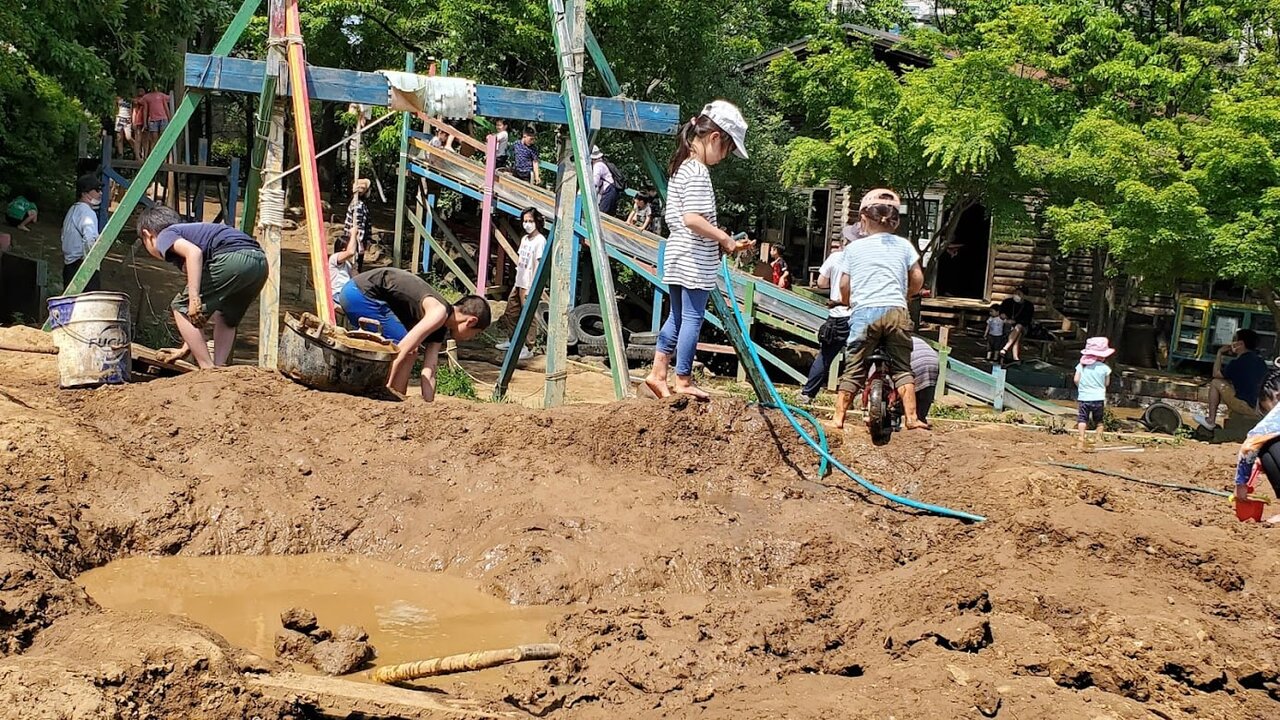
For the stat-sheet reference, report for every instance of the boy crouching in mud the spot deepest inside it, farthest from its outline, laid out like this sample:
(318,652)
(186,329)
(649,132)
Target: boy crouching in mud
(412,314)
(225,271)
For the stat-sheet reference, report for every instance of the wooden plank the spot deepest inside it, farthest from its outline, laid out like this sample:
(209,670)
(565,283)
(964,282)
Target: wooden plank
(164,144)
(271,134)
(335,697)
(185,169)
(486,213)
(204,72)
(147,356)
(305,137)
(444,256)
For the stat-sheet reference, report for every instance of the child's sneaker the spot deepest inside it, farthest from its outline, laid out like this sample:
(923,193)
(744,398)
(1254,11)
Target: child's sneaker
(525,354)
(1203,422)
(502,345)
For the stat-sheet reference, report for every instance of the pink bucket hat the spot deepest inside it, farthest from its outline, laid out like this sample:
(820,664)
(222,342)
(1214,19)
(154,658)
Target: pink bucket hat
(1096,348)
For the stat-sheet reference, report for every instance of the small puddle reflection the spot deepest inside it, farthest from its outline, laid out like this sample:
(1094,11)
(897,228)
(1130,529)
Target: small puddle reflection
(409,615)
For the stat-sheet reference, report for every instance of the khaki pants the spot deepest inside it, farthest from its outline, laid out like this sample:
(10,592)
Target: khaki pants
(1234,404)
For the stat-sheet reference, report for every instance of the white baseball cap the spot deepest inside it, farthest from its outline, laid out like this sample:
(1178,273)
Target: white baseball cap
(729,118)
(596,154)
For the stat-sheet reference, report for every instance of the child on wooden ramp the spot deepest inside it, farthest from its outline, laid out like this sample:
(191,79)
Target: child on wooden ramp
(413,315)
(533,245)
(691,261)
(1260,451)
(1092,375)
(225,270)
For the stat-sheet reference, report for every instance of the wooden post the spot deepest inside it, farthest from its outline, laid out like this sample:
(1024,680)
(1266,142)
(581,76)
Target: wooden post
(569,40)
(202,158)
(486,212)
(997,400)
(655,319)
(402,177)
(429,223)
(576,283)
(310,180)
(104,209)
(749,315)
(268,160)
(558,263)
(147,173)
(415,250)
(233,192)
(944,356)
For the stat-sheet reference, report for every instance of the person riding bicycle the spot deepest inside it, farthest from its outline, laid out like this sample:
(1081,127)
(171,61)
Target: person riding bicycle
(882,270)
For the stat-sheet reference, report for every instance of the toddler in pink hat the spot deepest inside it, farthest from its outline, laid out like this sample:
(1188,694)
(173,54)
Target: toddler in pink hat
(1092,376)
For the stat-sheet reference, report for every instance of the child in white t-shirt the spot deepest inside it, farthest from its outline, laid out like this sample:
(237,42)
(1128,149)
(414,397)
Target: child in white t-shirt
(994,333)
(532,247)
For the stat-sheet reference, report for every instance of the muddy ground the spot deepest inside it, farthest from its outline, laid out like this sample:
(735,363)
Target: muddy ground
(709,574)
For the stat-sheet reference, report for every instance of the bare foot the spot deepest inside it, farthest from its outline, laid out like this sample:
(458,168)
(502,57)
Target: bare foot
(686,387)
(658,386)
(918,425)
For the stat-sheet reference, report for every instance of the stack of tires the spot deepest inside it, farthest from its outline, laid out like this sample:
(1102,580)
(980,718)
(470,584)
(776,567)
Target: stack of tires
(586,328)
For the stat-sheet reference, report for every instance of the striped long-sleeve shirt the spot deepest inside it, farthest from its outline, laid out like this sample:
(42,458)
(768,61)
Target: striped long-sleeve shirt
(690,260)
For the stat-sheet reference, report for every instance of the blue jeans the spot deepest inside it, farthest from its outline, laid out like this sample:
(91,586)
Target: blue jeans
(679,334)
(357,305)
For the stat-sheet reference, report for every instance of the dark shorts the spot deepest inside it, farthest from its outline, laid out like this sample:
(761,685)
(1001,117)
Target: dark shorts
(229,283)
(995,343)
(1089,412)
(870,328)
(69,271)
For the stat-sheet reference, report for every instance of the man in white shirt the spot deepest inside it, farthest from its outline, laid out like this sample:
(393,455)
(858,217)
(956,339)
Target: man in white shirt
(834,333)
(80,230)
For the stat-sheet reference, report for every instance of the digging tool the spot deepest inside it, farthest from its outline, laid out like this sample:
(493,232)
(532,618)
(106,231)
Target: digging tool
(465,662)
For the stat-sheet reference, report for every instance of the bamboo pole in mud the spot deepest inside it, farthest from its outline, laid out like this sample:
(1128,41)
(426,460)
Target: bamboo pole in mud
(465,662)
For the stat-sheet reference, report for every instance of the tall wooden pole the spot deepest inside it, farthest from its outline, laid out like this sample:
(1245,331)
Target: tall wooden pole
(269,156)
(402,176)
(310,180)
(570,39)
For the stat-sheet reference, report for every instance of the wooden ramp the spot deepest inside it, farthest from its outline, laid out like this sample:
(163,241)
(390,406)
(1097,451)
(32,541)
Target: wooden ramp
(335,697)
(770,304)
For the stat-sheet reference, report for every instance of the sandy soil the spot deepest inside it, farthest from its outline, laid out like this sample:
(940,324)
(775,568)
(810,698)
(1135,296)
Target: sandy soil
(709,573)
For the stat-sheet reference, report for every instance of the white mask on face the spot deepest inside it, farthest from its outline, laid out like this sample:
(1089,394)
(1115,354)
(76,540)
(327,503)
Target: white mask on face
(529,227)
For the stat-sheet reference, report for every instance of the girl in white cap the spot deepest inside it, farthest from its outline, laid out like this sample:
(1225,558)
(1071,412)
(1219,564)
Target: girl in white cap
(691,260)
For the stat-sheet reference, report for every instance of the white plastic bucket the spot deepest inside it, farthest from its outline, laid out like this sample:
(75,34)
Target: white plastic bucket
(92,333)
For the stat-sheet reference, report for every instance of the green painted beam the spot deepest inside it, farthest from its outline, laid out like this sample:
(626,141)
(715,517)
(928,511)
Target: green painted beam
(444,256)
(402,177)
(266,101)
(147,173)
(651,164)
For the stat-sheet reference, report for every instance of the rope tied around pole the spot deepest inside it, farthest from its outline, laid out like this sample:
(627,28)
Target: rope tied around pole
(271,209)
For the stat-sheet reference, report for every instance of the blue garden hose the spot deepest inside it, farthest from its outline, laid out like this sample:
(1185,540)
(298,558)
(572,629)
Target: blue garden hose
(789,412)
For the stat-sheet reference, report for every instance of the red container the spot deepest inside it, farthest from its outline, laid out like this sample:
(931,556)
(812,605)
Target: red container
(1247,510)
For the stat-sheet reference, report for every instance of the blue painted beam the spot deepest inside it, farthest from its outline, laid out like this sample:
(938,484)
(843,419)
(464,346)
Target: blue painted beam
(229,74)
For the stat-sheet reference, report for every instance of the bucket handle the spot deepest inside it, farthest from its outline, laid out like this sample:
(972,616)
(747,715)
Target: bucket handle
(370,325)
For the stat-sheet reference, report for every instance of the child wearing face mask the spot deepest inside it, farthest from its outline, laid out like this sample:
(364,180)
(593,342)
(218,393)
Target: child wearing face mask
(80,231)
(532,247)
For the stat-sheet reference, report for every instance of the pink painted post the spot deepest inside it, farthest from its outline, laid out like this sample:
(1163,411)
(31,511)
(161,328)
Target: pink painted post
(486,212)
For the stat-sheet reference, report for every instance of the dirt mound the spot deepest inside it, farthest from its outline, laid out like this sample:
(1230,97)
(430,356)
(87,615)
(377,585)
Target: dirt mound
(699,561)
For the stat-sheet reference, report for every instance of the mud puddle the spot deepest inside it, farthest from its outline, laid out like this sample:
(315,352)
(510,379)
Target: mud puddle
(409,615)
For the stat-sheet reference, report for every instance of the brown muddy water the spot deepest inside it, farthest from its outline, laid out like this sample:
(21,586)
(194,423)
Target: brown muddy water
(409,615)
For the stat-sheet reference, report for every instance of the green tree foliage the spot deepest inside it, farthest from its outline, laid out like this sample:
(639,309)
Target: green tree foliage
(62,63)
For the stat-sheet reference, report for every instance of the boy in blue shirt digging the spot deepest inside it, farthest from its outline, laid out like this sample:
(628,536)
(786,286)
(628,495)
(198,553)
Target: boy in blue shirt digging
(1092,375)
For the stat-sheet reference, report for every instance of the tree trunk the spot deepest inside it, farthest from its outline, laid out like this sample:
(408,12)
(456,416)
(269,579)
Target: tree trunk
(1119,293)
(945,233)
(1098,302)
